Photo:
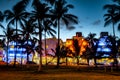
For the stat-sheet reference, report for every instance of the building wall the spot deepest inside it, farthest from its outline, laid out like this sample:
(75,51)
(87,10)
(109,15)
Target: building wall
(51,44)
(81,41)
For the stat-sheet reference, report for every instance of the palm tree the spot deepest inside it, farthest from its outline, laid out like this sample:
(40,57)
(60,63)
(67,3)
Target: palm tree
(92,48)
(8,33)
(60,12)
(113,13)
(16,15)
(27,30)
(110,16)
(39,14)
(114,50)
(113,17)
(47,28)
(117,7)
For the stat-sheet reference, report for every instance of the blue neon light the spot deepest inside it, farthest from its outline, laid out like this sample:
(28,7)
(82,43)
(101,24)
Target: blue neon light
(104,46)
(20,52)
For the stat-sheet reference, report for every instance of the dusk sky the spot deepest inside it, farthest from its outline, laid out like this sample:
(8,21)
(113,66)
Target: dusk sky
(89,12)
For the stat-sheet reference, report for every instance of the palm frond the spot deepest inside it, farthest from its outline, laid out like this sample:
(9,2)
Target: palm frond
(21,24)
(107,18)
(108,22)
(2,26)
(107,15)
(117,1)
(70,6)
(36,5)
(51,1)
(117,18)
(11,22)
(53,35)
(109,6)
(119,27)
(8,14)
(25,2)
(71,18)
(8,32)
(2,35)
(20,6)
(52,31)
(1,16)
(66,22)
(5,33)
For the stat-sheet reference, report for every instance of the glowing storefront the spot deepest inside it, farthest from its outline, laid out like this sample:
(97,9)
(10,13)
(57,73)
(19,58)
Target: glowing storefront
(104,45)
(13,50)
(81,41)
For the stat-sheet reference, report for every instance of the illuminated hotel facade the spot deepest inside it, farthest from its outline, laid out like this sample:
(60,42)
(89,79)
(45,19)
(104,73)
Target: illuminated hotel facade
(50,50)
(21,55)
(81,42)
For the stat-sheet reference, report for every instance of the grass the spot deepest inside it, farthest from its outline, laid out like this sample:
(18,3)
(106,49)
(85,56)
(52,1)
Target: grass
(51,73)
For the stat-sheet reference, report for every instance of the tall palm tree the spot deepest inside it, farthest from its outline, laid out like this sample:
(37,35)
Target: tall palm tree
(27,30)
(114,10)
(8,33)
(117,5)
(113,17)
(61,14)
(92,47)
(39,14)
(48,30)
(110,16)
(114,50)
(117,17)
(16,15)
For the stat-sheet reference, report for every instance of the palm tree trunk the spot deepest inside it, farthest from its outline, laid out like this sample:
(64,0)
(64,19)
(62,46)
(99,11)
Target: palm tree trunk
(58,54)
(40,46)
(15,46)
(66,61)
(15,55)
(77,60)
(95,61)
(115,63)
(21,58)
(27,57)
(27,49)
(40,60)
(113,29)
(21,63)
(45,49)
(7,52)
(115,48)
(88,61)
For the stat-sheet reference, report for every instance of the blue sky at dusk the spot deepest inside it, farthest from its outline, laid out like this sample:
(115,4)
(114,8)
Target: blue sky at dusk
(89,12)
